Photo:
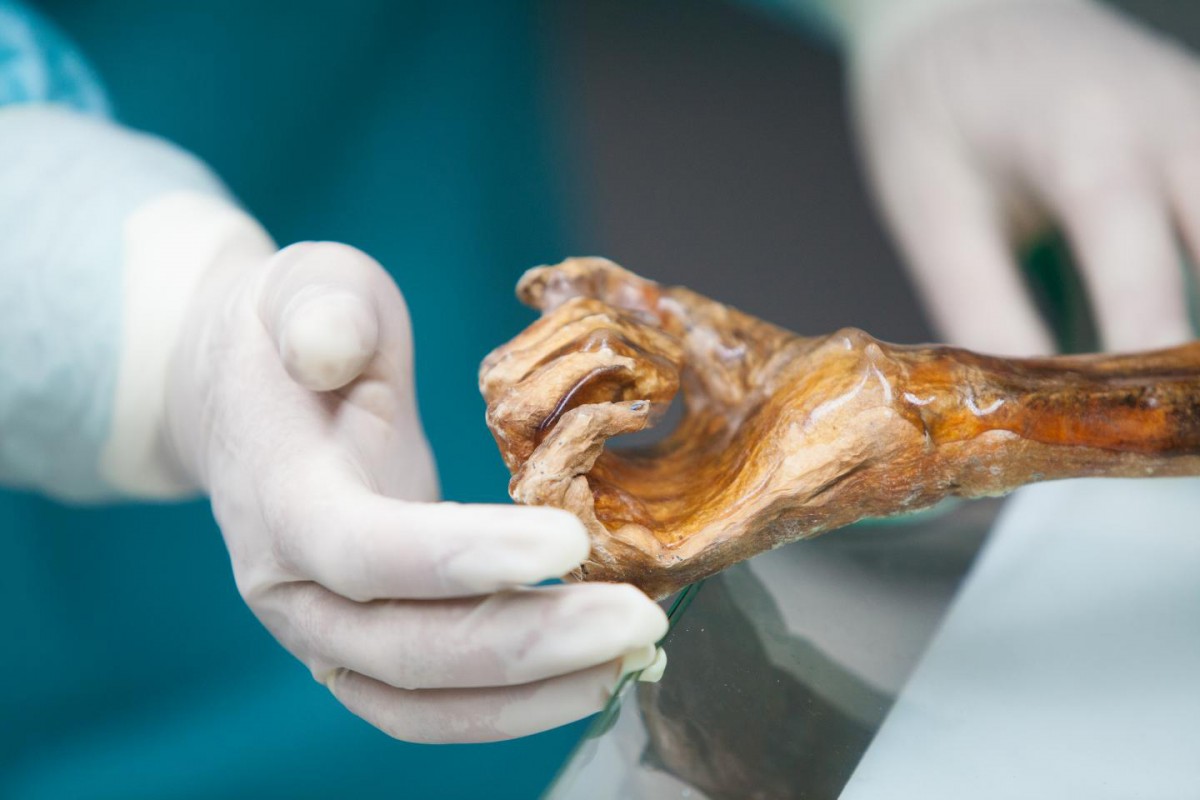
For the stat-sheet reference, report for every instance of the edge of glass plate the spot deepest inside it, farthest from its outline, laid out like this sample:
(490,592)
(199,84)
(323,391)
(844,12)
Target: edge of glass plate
(612,709)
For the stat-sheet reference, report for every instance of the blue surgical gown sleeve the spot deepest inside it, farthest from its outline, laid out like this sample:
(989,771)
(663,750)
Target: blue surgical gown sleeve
(69,176)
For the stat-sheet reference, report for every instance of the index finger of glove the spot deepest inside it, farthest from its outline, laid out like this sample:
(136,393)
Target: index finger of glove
(364,546)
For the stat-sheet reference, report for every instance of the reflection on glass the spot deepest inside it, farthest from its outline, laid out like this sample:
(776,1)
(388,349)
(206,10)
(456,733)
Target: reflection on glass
(781,669)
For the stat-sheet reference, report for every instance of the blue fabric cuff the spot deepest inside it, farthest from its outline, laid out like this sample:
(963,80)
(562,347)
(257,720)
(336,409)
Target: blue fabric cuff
(70,182)
(38,64)
(70,179)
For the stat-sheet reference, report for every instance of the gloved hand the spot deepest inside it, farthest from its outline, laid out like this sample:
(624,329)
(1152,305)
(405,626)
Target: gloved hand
(289,399)
(984,121)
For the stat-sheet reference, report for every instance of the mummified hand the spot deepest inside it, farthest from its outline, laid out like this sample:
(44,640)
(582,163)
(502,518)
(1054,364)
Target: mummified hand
(785,437)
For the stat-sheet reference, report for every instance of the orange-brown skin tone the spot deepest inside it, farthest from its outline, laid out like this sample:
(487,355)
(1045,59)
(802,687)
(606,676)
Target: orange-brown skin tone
(785,437)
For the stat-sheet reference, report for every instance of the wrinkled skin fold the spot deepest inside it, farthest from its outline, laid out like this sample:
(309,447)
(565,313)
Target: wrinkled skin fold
(785,437)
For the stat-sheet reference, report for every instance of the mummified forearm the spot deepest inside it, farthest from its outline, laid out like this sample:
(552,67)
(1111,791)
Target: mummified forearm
(785,437)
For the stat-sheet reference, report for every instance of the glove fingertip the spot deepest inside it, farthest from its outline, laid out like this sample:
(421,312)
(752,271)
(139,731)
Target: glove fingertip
(328,340)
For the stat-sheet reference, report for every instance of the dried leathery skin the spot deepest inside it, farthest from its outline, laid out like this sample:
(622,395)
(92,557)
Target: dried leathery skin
(784,437)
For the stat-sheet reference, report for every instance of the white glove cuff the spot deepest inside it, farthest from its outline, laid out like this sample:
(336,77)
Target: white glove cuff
(168,243)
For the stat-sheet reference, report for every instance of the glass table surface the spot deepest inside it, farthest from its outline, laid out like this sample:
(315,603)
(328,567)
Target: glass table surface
(781,669)
(1046,649)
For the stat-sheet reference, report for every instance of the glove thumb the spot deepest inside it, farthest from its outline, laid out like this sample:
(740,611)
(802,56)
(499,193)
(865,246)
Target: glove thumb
(318,307)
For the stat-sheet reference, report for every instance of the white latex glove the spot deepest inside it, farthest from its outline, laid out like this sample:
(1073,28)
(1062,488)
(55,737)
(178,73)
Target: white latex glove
(289,399)
(985,121)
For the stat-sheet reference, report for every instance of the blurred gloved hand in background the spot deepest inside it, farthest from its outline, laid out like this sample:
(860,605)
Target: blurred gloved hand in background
(985,122)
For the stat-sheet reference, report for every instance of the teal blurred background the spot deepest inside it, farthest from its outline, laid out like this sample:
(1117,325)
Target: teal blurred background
(415,131)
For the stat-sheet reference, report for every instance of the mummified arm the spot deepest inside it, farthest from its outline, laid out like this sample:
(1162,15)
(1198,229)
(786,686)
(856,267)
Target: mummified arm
(785,437)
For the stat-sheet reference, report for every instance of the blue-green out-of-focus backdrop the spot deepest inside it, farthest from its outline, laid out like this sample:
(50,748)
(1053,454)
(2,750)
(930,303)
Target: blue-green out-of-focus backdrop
(413,129)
